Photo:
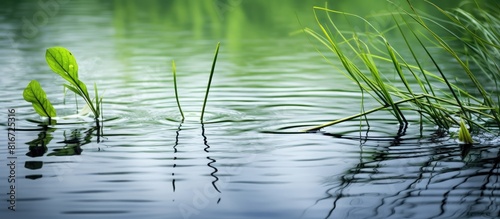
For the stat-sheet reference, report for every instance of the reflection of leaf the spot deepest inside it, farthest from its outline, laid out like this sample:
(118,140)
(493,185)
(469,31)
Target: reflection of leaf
(34,176)
(465,149)
(33,165)
(38,146)
(36,95)
(67,151)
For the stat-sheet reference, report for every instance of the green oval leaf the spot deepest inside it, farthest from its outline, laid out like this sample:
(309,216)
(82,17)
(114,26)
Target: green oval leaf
(62,62)
(34,94)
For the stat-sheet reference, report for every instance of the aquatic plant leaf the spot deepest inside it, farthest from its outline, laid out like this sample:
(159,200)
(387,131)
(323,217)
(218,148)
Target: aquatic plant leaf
(72,88)
(34,94)
(62,62)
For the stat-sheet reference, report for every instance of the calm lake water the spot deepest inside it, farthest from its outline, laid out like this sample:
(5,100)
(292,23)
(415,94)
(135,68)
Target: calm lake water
(247,160)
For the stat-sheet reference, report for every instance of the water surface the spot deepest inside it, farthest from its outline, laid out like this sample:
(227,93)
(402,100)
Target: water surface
(247,160)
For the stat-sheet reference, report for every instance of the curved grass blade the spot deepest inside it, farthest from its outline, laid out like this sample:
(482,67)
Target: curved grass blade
(34,94)
(175,89)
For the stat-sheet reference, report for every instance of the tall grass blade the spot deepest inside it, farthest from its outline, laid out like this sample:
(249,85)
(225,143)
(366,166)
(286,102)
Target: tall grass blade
(435,98)
(209,82)
(175,89)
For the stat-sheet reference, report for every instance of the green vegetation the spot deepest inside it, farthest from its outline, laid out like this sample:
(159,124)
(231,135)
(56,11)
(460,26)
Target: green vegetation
(175,88)
(209,81)
(463,134)
(208,85)
(34,94)
(63,63)
(433,94)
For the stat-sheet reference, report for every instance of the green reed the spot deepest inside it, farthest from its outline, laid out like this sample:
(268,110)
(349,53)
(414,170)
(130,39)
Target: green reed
(208,85)
(209,81)
(175,89)
(361,53)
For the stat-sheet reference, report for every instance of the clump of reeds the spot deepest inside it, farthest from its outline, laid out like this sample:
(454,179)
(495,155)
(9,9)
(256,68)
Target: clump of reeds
(362,54)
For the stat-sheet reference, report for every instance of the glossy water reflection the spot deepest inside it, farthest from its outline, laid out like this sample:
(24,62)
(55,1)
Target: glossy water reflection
(247,160)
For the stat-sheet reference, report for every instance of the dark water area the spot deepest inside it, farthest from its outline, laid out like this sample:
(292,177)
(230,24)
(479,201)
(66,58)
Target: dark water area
(248,159)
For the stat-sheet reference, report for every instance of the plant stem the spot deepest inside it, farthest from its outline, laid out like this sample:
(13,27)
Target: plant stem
(209,81)
(316,128)
(175,88)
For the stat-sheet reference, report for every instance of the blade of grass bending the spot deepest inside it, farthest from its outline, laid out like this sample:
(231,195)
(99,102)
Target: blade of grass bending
(353,72)
(209,81)
(435,114)
(364,113)
(175,89)
(378,87)
(487,98)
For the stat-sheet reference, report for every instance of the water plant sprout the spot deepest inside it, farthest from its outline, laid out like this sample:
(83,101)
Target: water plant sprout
(360,54)
(63,63)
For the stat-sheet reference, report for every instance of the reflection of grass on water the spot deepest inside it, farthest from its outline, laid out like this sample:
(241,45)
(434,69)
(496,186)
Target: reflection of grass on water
(361,54)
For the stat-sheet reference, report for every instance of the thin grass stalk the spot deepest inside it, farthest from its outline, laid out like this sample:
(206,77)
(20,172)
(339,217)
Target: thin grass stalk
(316,128)
(175,90)
(429,110)
(487,100)
(452,91)
(209,82)
(443,44)
(426,79)
(97,103)
(352,70)
(377,85)
(440,111)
